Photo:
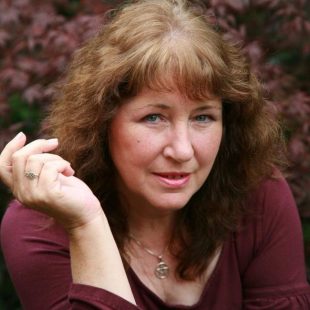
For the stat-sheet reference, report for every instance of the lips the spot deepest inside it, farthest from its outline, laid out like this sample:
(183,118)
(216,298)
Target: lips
(173,179)
(172,175)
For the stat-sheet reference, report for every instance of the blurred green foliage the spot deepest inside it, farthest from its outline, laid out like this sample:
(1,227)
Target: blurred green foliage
(22,113)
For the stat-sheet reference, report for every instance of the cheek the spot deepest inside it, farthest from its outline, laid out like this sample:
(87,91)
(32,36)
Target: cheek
(208,147)
(131,149)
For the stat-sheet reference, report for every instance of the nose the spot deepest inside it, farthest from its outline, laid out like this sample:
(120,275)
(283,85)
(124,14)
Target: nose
(179,146)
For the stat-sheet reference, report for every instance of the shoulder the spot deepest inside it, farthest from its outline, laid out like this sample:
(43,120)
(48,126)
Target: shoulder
(269,243)
(270,250)
(270,203)
(274,189)
(273,206)
(270,191)
(272,223)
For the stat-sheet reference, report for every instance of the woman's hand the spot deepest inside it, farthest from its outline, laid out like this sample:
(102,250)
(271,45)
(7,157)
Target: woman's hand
(46,182)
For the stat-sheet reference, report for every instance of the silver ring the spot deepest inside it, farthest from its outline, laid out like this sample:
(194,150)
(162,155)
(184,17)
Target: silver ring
(30,175)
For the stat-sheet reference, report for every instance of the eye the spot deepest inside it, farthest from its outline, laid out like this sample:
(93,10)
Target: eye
(202,118)
(152,118)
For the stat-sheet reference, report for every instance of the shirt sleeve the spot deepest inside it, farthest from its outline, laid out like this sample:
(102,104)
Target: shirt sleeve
(36,252)
(275,276)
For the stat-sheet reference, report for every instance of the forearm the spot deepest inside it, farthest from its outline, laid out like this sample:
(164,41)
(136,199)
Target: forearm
(95,259)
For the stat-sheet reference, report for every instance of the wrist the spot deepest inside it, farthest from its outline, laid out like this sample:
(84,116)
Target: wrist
(83,229)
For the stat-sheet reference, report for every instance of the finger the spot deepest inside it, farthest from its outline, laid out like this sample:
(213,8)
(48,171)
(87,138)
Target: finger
(51,173)
(39,192)
(19,158)
(34,166)
(48,196)
(6,158)
(35,162)
(14,145)
(36,147)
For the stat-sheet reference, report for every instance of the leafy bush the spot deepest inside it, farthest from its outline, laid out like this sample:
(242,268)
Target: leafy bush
(37,39)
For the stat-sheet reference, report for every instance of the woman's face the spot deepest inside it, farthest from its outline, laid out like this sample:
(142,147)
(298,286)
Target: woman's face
(163,146)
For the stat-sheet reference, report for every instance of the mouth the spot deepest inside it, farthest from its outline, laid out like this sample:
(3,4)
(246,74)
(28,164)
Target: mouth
(173,175)
(173,179)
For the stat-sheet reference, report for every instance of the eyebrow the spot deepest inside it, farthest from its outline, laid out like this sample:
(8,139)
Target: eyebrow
(167,107)
(208,107)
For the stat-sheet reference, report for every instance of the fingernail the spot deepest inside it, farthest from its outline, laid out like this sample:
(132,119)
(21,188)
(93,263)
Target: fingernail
(53,141)
(19,135)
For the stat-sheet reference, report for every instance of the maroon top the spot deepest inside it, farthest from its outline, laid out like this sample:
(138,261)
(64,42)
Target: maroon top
(260,267)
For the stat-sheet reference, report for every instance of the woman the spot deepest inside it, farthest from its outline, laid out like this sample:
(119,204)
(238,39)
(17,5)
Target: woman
(175,199)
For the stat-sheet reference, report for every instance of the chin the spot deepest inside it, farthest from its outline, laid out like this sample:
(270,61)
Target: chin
(171,205)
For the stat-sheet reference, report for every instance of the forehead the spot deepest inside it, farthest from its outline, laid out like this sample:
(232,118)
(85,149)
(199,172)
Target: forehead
(164,98)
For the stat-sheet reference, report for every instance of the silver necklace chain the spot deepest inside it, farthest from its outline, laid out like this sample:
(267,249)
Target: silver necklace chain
(161,270)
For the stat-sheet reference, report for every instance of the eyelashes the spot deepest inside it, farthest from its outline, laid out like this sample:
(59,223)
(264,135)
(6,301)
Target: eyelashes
(155,118)
(203,118)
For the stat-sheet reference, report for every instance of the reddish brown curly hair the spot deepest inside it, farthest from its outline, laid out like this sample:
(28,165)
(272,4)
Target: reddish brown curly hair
(165,44)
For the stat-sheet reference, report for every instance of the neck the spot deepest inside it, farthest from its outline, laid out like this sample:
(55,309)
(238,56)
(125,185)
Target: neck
(152,226)
(145,226)
(153,231)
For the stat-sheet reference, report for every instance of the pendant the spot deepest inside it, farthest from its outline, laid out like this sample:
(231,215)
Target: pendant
(162,270)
